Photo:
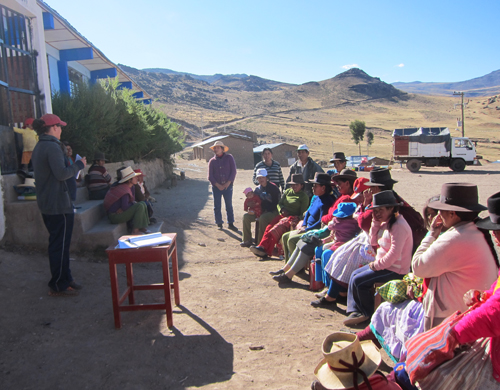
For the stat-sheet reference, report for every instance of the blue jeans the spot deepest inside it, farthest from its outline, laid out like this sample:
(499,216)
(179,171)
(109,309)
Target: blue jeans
(228,200)
(359,297)
(60,228)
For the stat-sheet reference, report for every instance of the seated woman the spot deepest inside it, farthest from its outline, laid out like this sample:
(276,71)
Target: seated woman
(120,204)
(269,194)
(394,323)
(320,203)
(98,179)
(345,185)
(291,207)
(477,366)
(457,261)
(142,195)
(393,236)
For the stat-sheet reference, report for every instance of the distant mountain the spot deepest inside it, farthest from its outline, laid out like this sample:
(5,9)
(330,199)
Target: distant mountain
(242,82)
(351,85)
(209,79)
(487,85)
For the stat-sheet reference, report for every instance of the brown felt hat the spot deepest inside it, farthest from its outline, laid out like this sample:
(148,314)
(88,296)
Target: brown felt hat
(338,156)
(384,199)
(380,177)
(297,178)
(493,221)
(458,197)
(346,174)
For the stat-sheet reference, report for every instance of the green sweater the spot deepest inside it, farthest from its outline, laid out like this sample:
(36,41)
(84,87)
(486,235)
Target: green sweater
(294,203)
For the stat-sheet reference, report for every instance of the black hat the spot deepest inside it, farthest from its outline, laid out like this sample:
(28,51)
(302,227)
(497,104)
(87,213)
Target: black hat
(297,178)
(384,199)
(458,197)
(321,178)
(346,174)
(380,177)
(493,221)
(338,156)
(99,156)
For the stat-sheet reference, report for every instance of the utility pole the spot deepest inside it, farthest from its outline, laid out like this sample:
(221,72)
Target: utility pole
(462,106)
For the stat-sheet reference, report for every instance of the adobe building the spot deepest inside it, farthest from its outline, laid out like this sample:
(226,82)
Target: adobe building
(283,153)
(240,146)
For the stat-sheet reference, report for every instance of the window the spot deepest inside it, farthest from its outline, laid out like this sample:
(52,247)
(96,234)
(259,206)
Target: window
(289,154)
(17,68)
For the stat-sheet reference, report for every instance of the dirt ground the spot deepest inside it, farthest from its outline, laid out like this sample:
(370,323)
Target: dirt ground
(229,305)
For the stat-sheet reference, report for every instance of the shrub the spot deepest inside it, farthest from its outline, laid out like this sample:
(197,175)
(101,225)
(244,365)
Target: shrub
(102,118)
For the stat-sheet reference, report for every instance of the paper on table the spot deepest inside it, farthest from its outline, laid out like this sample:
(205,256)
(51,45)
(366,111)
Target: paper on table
(152,239)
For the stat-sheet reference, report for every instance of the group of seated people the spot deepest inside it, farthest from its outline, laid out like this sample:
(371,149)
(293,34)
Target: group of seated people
(368,235)
(126,200)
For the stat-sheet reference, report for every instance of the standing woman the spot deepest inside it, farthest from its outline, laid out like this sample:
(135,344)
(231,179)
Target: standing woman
(54,202)
(221,174)
(120,204)
(392,234)
(273,168)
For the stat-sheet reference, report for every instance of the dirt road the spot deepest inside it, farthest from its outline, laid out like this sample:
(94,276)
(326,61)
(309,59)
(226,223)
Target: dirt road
(236,329)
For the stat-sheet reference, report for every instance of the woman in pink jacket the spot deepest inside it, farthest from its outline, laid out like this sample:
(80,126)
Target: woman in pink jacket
(392,234)
(478,367)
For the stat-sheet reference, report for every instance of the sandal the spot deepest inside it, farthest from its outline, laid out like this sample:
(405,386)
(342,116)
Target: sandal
(69,292)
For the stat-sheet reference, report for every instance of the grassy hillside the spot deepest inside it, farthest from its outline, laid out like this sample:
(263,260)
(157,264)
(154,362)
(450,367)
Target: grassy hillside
(317,113)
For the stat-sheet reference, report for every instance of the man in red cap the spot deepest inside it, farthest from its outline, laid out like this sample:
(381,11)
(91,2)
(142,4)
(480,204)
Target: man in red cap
(52,195)
(29,141)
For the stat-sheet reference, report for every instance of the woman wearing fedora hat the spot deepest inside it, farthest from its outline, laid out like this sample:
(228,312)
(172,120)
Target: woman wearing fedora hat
(477,364)
(120,204)
(52,195)
(221,174)
(392,235)
(458,260)
(98,179)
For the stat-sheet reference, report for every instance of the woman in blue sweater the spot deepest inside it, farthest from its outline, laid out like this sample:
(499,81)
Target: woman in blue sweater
(320,204)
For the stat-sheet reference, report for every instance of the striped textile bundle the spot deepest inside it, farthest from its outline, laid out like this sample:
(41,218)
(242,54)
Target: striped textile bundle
(429,349)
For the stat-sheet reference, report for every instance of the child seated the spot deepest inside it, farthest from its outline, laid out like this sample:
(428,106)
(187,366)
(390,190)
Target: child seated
(252,203)
(343,226)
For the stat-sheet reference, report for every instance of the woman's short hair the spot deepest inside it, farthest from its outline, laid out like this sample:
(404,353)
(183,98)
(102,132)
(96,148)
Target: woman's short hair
(268,149)
(119,173)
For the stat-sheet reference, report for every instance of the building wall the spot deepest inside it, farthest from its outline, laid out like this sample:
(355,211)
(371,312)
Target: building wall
(241,149)
(283,152)
(2,214)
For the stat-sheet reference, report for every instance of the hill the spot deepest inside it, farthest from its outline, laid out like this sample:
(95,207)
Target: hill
(487,85)
(315,113)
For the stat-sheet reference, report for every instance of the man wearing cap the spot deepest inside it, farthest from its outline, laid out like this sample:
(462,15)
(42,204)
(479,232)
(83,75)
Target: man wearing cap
(306,166)
(269,194)
(98,179)
(51,173)
(29,141)
(221,174)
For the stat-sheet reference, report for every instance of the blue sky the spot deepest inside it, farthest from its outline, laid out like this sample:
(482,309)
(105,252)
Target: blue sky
(296,41)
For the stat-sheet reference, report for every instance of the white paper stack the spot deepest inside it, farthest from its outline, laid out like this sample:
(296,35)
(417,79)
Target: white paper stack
(152,239)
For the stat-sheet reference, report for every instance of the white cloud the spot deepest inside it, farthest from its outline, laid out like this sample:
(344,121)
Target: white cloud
(400,65)
(350,66)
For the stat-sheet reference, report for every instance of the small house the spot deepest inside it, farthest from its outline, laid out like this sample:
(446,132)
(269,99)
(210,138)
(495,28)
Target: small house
(240,146)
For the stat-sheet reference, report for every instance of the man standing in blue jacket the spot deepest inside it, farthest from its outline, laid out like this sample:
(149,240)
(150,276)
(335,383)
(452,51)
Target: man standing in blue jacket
(51,172)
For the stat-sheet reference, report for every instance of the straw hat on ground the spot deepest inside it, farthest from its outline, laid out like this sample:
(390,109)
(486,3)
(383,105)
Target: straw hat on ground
(346,361)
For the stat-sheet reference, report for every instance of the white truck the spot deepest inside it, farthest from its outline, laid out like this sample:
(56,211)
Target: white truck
(431,147)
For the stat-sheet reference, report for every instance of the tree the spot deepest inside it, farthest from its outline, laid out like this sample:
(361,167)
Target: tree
(369,141)
(358,132)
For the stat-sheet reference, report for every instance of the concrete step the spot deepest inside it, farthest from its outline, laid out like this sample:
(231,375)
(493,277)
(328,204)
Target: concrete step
(89,213)
(104,234)
(82,195)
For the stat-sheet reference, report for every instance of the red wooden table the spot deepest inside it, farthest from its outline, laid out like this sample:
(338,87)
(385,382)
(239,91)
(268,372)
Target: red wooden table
(153,254)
